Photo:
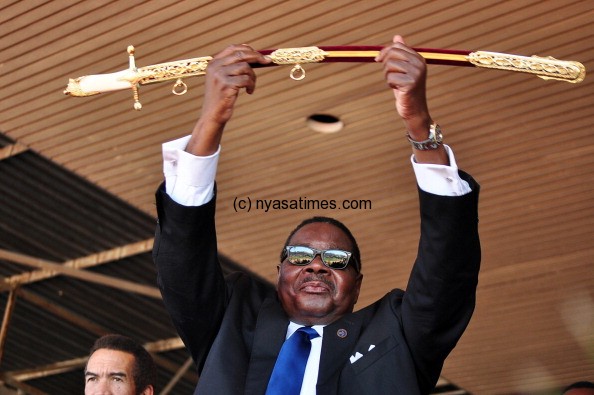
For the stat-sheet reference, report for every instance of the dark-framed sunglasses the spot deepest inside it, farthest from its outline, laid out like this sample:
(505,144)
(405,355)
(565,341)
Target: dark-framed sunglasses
(302,256)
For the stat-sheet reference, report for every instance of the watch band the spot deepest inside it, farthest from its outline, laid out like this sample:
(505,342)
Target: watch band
(433,142)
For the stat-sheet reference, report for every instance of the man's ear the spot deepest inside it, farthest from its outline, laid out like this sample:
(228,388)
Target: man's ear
(278,269)
(149,390)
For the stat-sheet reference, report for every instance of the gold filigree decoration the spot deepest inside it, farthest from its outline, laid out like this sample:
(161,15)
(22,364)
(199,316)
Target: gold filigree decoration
(547,68)
(173,70)
(298,55)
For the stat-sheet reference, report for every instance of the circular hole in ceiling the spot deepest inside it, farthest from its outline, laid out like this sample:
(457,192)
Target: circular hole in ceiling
(324,123)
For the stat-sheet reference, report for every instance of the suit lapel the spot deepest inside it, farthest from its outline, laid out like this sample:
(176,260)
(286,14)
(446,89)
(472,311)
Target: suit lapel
(269,336)
(339,340)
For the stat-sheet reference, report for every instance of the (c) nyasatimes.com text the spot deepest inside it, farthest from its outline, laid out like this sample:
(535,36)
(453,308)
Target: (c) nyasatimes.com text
(302,203)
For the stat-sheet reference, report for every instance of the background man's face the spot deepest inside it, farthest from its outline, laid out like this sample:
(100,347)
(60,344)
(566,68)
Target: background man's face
(110,372)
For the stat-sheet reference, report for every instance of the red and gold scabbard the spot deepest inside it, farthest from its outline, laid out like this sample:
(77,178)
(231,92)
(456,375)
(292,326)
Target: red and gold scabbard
(547,68)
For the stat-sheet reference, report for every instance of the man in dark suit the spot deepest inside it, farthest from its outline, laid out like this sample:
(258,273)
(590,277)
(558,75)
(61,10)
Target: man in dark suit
(235,326)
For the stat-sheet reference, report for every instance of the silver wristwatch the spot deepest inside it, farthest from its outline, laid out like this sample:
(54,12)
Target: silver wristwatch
(433,142)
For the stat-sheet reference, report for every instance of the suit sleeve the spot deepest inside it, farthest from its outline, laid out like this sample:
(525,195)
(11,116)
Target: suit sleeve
(188,272)
(440,296)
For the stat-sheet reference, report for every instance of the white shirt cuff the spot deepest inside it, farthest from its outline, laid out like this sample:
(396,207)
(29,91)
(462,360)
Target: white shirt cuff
(189,179)
(440,179)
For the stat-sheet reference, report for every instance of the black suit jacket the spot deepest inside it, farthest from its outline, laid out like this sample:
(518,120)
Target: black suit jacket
(234,326)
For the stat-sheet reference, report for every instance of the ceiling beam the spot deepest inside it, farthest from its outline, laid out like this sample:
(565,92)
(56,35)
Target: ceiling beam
(22,388)
(97,278)
(6,321)
(45,370)
(92,260)
(62,312)
(12,150)
(178,375)
(173,343)
(96,259)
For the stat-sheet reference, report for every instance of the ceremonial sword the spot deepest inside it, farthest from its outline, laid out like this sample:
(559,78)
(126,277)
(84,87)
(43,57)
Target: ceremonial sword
(547,68)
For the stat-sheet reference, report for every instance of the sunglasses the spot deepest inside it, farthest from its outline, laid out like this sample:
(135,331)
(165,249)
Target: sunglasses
(302,256)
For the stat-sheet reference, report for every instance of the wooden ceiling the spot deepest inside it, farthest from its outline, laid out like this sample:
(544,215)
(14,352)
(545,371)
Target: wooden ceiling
(529,142)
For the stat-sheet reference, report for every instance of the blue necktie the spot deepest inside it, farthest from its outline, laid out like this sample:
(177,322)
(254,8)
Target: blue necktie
(287,376)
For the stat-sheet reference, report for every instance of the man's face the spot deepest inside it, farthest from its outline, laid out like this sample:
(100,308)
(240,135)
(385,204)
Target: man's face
(110,372)
(315,294)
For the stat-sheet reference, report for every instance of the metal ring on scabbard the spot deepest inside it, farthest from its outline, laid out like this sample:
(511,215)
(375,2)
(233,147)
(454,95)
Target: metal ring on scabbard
(296,56)
(297,73)
(176,87)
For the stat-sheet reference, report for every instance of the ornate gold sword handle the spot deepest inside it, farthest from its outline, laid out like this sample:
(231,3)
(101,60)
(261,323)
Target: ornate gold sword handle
(177,70)
(132,77)
(547,68)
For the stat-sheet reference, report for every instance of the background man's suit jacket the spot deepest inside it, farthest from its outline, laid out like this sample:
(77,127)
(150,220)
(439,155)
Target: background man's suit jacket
(234,327)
